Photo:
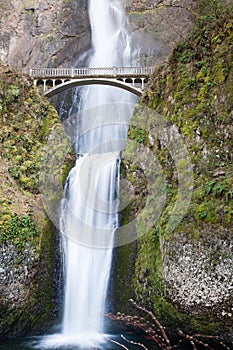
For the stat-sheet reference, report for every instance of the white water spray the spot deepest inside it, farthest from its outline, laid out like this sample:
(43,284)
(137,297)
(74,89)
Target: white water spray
(89,215)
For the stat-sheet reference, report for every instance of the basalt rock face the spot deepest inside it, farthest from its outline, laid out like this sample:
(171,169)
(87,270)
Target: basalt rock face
(57,33)
(28,241)
(184,125)
(157,26)
(43,33)
(50,33)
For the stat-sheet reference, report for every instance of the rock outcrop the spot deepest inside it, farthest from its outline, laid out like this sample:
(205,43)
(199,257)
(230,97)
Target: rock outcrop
(184,260)
(57,33)
(157,26)
(43,33)
(28,240)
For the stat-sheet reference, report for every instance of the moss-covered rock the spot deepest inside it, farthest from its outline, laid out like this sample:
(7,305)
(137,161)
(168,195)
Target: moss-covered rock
(27,238)
(184,271)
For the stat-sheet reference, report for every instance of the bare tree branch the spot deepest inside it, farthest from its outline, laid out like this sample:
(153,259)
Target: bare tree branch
(164,335)
(116,342)
(134,343)
(157,334)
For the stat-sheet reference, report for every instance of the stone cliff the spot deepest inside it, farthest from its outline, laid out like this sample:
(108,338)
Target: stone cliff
(43,33)
(49,33)
(28,241)
(157,26)
(184,260)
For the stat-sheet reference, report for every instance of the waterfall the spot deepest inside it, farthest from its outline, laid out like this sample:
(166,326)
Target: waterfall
(89,208)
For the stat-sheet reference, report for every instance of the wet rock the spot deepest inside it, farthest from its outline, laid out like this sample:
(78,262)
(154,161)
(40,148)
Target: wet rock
(44,33)
(198,272)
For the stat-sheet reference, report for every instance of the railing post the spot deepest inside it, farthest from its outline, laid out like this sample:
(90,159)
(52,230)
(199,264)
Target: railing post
(123,73)
(143,83)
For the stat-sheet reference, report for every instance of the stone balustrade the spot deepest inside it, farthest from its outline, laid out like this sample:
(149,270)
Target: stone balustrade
(51,81)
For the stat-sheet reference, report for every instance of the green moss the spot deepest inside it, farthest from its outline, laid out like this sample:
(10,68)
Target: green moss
(19,230)
(26,121)
(137,134)
(43,294)
(67,166)
(121,289)
(194,92)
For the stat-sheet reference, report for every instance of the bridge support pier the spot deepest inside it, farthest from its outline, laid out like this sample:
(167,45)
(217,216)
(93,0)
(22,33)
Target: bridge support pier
(143,83)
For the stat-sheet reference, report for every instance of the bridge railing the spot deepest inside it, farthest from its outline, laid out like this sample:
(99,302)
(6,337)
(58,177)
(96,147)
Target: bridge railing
(87,72)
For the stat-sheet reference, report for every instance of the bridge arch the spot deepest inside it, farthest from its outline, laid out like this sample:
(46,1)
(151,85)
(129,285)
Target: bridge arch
(92,81)
(49,83)
(58,82)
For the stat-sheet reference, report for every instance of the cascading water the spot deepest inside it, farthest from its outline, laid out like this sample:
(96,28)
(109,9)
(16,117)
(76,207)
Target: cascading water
(89,212)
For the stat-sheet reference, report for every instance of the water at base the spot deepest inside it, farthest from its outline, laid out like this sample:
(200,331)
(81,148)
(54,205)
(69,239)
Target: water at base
(90,206)
(60,341)
(54,342)
(89,214)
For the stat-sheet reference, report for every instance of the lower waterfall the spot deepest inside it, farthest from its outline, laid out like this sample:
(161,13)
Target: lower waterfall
(88,267)
(89,214)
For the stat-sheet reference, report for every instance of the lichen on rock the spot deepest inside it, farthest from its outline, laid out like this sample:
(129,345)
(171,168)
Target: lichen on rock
(185,275)
(28,240)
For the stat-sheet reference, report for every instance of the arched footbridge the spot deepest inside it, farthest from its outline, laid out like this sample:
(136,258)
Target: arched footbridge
(51,81)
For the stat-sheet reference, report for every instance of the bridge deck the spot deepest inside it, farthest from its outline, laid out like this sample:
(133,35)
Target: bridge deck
(113,72)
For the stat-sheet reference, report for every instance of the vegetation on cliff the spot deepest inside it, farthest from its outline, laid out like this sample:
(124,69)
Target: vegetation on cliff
(26,121)
(193,92)
(27,240)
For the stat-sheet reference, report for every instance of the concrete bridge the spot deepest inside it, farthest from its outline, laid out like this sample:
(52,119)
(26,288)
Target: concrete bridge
(51,81)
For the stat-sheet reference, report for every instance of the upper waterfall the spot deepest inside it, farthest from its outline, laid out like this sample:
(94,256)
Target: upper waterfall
(89,214)
(110,39)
